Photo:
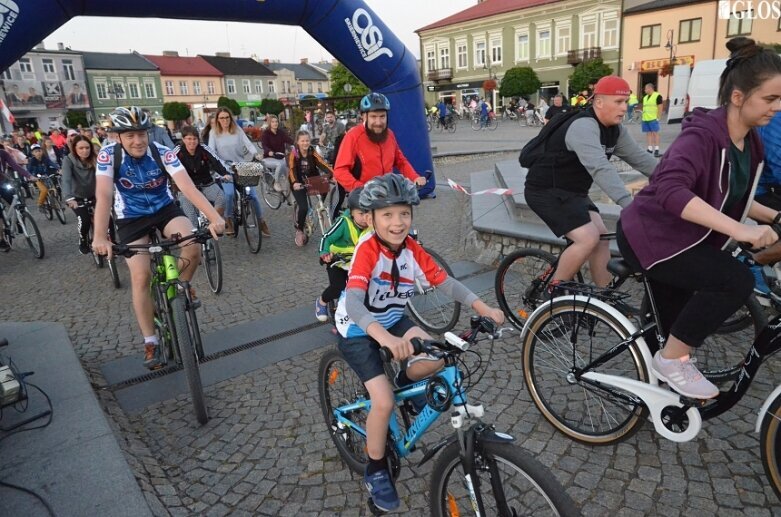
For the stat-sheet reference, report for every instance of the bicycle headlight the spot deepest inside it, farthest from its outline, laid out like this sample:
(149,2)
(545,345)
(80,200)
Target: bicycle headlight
(8,186)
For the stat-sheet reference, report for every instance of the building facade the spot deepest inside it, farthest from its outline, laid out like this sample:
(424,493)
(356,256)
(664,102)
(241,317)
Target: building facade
(309,81)
(246,81)
(43,86)
(191,80)
(122,79)
(461,52)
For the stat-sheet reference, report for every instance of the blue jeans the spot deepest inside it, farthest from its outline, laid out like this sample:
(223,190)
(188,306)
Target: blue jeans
(230,193)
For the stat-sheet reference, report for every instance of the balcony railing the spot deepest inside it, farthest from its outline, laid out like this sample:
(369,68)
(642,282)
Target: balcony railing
(443,74)
(576,57)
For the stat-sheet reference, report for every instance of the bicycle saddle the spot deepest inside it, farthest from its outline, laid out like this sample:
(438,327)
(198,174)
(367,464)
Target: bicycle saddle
(620,268)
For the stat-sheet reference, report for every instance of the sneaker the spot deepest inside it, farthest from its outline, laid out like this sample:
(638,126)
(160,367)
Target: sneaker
(84,248)
(656,153)
(152,357)
(649,151)
(264,228)
(321,311)
(682,376)
(760,285)
(382,490)
(300,238)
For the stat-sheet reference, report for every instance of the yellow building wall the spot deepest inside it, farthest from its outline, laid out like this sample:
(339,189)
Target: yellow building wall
(762,31)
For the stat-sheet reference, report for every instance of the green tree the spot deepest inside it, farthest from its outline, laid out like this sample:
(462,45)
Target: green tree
(519,82)
(588,72)
(774,46)
(75,118)
(176,111)
(340,76)
(229,103)
(272,106)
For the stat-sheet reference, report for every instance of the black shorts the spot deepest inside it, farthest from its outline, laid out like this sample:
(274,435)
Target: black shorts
(129,230)
(363,353)
(561,210)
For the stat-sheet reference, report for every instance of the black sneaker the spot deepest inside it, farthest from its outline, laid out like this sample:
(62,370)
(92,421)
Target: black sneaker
(656,154)
(84,247)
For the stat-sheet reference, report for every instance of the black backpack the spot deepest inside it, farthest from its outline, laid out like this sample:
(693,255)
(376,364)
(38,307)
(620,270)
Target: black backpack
(118,162)
(536,147)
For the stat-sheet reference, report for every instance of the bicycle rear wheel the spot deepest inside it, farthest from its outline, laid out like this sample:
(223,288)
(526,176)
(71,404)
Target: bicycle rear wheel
(56,206)
(476,125)
(185,343)
(509,481)
(492,124)
(338,385)
(272,198)
(32,235)
(212,261)
(770,445)
(572,334)
(430,307)
(252,226)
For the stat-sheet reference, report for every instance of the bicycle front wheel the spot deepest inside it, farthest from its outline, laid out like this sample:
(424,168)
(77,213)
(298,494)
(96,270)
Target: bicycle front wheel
(98,259)
(770,445)
(521,282)
(339,385)
(509,482)
(476,125)
(57,208)
(187,355)
(32,235)
(112,267)
(272,198)
(492,124)
(212,262)
(430,307)
(252,227)
(570,335)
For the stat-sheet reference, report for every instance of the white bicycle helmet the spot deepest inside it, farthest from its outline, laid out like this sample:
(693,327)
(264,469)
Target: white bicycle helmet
(130,118)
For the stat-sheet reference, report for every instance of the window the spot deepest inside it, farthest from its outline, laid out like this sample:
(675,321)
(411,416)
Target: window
(650,36)
(431,60)
(299,87)
(67,70)
(588,33)
(25,65)
(102,90)
(183,88)
(479,54)
(133,90)
(169,87)
(6,74)
(319,87)
(563,33)
(496,50)
(522,47)
(689,30)
(739,27)
(246,85)
(149,89)
(197,87)
(461,54)
(444,58)
(543,43)
(210,87)
(48,67)
(231,83)
(309,87)
(118,89)
(258,86)
(271,88)
(610,33)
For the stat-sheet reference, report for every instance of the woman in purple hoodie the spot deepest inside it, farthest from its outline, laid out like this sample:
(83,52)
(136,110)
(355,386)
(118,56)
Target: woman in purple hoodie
(697,199)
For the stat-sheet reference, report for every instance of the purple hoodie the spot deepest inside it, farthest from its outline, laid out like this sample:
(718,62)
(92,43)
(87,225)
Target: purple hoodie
(696,165)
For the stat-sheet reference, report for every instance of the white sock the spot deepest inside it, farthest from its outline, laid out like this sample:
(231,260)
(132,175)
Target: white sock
(650,148)
(656,148)
(151,340)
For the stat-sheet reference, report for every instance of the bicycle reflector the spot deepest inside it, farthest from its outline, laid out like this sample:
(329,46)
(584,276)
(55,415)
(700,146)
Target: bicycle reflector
(333,376)
(523,314)
(452,506)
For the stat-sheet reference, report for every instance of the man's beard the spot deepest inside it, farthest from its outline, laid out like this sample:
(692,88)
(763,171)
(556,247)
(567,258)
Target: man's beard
(374,137)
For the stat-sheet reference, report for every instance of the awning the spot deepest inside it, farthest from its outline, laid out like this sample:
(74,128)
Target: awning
(304,96)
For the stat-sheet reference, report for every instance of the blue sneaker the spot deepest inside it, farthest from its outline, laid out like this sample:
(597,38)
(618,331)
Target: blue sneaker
(760,284)
(321,311)
(382,490)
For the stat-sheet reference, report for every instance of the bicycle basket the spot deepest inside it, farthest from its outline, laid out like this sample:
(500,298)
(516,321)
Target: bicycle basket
(248,173)
(317,185)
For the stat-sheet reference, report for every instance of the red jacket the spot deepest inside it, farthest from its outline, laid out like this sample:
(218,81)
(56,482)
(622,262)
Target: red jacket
(361,158)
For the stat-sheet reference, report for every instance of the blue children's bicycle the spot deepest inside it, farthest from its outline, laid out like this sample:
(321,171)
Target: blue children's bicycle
(479,471)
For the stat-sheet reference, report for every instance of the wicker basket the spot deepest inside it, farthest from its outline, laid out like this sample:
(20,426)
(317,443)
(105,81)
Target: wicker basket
(248,173)
(318,185)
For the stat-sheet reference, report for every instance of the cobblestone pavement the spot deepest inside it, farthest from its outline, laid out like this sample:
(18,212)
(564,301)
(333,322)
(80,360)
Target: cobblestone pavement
(266,450)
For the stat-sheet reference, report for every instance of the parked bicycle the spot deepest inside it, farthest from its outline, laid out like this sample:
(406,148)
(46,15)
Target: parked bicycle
(100,260)
(478,471)
(244,212)
(17,220)
(176,322)
(53,204)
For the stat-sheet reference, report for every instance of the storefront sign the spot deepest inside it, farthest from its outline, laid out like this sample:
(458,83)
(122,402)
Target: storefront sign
(658,64)
(455,86)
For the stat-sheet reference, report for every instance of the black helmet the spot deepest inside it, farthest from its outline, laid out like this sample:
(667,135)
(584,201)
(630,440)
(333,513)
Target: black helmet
(388,190)
(374,101)
(353,200)
(130,118)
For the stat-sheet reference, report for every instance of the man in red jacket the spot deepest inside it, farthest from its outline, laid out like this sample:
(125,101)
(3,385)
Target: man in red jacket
(371,150)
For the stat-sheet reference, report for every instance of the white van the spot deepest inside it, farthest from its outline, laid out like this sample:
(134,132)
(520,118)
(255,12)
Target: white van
(703,91)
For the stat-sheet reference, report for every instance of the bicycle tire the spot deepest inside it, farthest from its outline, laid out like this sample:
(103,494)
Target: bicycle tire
(324,219)
(533,491)
(57,207)
(48,213)
(271,197)
(33,238)
(521,282)
(451,127)
(337,385)
(99,260)
(434,311)
(492,124)
(189,360)
(476,125)
(112,267)
(212,260)
(252,227)
(575,407)
(770,445)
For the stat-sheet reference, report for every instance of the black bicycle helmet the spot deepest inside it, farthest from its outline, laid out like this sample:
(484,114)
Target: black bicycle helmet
(354,199)
(130,118)
(374,101)
(388,190)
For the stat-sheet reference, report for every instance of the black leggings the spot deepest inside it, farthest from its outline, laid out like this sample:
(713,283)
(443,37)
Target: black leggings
(337,281)
(695,291)
(84,222)
(302,202)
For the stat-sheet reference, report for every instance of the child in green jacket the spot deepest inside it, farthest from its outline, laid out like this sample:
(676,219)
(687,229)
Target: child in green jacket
(336,250)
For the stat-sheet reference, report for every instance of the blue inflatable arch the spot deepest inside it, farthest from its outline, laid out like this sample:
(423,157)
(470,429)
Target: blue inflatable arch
(348,29)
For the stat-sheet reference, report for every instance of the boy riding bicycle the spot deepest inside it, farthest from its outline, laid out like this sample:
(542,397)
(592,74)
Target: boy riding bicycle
(371,313)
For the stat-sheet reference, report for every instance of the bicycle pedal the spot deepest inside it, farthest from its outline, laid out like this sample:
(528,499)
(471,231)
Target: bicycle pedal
(195,303)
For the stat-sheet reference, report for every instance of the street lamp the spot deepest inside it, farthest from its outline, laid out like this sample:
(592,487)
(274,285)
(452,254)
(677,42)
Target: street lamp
(669,46)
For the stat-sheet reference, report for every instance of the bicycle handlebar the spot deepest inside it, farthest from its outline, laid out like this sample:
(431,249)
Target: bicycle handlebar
(128,250)
(747,245)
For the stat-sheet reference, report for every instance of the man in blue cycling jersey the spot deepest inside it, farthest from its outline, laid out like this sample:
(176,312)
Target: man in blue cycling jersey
(143,202)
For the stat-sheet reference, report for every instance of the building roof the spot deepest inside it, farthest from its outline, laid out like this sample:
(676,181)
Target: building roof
(237,65)
(177,65)
(323,66)
(302,72)
(108,61)
(485,9)
(662,4)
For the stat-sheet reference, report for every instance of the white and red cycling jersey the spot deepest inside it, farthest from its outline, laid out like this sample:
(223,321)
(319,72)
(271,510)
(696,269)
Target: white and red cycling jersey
(371,272)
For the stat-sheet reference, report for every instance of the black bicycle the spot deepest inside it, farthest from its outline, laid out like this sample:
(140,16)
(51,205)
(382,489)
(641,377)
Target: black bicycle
(100,260)
(245,214)
(53,204)
(17,220)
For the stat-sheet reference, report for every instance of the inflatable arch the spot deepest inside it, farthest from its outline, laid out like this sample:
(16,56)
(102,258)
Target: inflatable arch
(348,29)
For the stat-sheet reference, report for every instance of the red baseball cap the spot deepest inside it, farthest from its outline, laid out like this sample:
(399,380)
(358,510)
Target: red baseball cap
(612,85)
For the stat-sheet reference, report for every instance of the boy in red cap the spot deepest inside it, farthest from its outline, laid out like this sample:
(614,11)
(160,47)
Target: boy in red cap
(577,155)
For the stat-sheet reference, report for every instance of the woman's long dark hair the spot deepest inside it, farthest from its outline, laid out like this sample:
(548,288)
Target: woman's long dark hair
(93,156)
(748,66)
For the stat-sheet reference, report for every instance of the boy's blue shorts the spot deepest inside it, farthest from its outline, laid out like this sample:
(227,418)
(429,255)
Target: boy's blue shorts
(363,353)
